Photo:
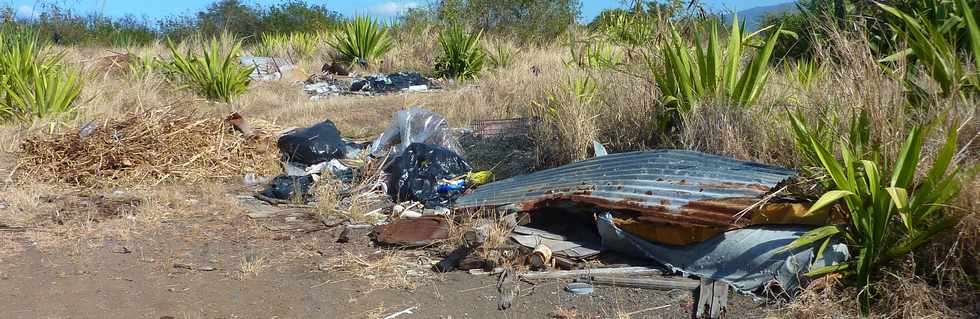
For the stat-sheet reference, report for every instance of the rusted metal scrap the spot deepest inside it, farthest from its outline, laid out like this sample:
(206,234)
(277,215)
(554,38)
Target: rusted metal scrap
(413,232)
(672,187)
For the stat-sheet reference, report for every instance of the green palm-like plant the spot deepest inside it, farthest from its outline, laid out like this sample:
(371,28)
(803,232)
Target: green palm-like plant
(363,41)
(462,54)
(888,217)
(33,81)
(935,48)
(687,74)
(215,75)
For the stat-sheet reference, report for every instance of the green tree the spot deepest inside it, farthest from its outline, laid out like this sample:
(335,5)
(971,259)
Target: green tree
(524,19)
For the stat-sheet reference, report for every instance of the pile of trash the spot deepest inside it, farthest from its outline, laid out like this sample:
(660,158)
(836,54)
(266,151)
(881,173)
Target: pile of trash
(699,215)
(147,148)
(416,160)
(324,85)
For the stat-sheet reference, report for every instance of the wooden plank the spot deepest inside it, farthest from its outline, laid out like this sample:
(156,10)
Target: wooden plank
(590,272)
(712,299)
(663,283)
(705,290)
(719,299)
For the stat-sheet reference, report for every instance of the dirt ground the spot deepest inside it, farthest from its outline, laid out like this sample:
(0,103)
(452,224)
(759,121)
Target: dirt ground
(204,264)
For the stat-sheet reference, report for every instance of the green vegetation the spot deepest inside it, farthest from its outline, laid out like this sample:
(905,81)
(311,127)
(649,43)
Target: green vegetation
(502,56)
(872,199)
(523,20)
(215,75)
(34,83)
(362,40)
(935,47)
(462,54)
(688,74)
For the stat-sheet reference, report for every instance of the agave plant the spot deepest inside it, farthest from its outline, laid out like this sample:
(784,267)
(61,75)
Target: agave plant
(934,47)
(363,41)
(888,216)
(687,73)
(33,82)
(216,75)
(462,54)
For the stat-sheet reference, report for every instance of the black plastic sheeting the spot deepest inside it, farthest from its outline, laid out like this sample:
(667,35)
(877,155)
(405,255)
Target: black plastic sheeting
(316,144)
(290,188)
(415,174)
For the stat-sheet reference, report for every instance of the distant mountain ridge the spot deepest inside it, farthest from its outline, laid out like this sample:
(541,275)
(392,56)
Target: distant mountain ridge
(754,17)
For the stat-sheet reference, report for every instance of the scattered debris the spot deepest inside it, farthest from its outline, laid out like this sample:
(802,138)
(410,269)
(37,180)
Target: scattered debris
(408,311)
(267,69)
(507,289)
(579,288)
(288,189)
(194,267)
(662,283)
(712,299)
(566,274)
(413,232)
(392,82)
(325,85)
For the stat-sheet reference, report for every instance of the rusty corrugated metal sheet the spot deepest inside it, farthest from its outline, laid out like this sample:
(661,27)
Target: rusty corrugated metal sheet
(664,186)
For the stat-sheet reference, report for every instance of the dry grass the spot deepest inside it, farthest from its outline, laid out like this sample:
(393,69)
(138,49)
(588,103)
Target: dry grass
(146,149)
(382,269)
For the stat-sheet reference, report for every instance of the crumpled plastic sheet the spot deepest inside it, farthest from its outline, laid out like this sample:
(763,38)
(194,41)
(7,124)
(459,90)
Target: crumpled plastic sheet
(416,125)
(747,258)
(266,68)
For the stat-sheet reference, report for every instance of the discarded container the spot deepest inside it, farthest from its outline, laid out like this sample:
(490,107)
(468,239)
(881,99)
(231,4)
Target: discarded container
(313,145)
(415,174)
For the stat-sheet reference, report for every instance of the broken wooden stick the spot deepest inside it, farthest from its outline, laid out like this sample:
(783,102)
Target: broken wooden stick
(648,283)
(590,272)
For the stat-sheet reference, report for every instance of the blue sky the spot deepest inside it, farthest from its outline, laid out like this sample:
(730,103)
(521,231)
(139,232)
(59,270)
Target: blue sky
(380,8)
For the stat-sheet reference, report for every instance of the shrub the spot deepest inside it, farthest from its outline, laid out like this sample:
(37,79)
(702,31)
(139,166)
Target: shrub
(33,81)
(887,217)
(363,41)
(216,75)
(687,74)
(463,55)
(937,50)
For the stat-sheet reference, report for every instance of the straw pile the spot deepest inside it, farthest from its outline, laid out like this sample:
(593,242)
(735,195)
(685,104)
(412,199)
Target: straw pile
(145,149)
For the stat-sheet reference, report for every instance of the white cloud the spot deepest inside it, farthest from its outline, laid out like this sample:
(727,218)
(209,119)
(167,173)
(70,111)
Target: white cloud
(25,11)
(391,8)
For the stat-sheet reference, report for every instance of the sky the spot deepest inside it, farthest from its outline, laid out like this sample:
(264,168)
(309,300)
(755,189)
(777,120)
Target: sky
(155,9)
